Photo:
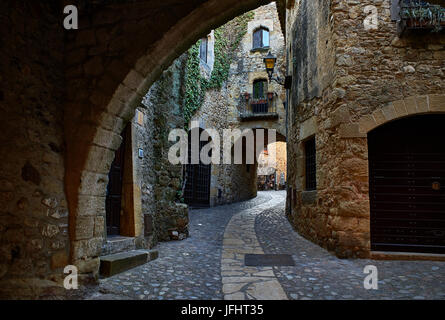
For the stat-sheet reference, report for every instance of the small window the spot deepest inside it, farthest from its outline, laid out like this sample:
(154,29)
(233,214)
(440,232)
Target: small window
(260,89)
(203,49)
(261,38)
(311,164)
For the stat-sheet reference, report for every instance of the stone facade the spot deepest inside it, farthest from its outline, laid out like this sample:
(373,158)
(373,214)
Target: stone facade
(224,108)
(347,81)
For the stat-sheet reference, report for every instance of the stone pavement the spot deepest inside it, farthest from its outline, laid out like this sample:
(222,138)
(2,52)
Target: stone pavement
(241,282)
(188,269)
(210,264)
(319,274)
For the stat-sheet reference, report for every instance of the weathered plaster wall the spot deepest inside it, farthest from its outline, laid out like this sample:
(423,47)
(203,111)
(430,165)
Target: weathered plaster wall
(374,78)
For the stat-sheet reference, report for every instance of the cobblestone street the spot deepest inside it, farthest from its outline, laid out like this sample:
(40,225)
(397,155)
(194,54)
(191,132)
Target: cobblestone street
(210,263)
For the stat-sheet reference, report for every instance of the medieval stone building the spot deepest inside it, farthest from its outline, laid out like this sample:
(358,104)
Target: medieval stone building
(129,196)
(365,136)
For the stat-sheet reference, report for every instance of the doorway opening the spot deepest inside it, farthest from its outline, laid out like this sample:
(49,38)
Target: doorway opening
(113,202)
(272,173)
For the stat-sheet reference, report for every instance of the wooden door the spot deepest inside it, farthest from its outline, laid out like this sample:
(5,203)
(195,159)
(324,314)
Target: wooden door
(407,185)
(113,202)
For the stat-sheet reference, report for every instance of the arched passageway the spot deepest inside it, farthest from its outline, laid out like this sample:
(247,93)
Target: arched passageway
(79,88)
(113,90)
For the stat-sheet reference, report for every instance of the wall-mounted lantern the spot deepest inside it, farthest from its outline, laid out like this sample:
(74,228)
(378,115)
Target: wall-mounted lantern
(270,62)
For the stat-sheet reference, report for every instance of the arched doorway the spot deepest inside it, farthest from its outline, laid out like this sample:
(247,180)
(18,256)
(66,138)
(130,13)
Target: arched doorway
(113,201)
(197,177)
(407,185)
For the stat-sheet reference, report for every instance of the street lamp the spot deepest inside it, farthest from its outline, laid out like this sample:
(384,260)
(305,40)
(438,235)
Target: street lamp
(269,62)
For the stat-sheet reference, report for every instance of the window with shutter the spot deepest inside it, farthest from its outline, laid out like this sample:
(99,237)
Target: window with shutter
(261,38)
(265,38)
(203,49)
(257,35)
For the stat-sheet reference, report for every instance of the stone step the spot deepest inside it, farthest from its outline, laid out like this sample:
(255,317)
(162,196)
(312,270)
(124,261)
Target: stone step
(117,244)
(119,262)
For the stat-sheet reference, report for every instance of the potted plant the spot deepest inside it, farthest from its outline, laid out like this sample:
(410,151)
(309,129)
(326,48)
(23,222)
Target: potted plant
(417,15)
(270,95)
(246,96)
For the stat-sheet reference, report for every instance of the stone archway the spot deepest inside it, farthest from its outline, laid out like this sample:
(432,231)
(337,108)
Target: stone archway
(94,120)
(402,108)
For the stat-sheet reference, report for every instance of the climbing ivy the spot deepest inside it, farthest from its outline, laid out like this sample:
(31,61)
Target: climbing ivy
(227,40)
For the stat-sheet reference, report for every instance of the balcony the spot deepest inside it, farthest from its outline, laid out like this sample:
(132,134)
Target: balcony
(419,15)
(259,109)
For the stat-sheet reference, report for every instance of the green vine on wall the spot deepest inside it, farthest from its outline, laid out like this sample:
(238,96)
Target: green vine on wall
(227,40)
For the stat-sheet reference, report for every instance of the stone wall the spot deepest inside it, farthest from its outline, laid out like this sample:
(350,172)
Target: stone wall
(162,181)
(373,77)
(34,246)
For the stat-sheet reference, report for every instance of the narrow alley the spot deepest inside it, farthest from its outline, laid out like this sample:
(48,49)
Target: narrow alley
(222,150)
(198,268)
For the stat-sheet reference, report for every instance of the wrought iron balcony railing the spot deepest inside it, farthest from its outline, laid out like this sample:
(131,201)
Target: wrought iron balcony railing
(420,14)
(258,108)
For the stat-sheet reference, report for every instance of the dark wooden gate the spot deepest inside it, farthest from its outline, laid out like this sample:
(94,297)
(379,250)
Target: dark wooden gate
(113,200)
(407,185)
(197,187)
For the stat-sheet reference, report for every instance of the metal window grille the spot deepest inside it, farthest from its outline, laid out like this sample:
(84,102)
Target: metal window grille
(311,164)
